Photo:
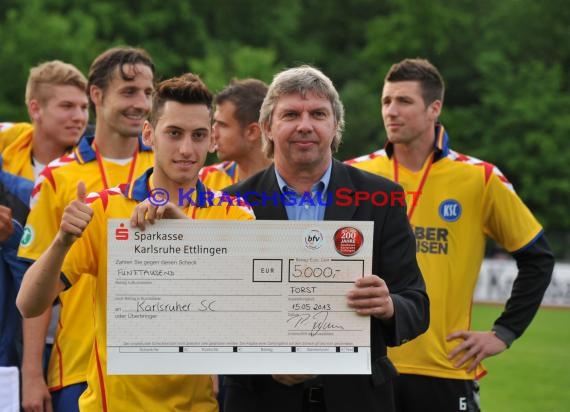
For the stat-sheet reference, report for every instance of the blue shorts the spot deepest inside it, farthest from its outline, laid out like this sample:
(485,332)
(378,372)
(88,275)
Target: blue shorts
(66,399)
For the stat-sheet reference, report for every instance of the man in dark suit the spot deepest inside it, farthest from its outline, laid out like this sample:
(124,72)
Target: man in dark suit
(302,120)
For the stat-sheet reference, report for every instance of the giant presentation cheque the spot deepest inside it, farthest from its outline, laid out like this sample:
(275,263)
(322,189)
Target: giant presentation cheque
(236,297)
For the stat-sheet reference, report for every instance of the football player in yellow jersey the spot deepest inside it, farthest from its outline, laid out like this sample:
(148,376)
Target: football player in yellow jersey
(57,105)
(456,200)
(179,131)
(56,100)
(120,87)
(236,134)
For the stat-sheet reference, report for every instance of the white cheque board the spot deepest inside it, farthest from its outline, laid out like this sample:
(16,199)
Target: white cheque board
(237,297)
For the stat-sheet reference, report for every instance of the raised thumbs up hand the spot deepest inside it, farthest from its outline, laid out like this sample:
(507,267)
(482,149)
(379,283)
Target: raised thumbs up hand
(76,217)
(81,192)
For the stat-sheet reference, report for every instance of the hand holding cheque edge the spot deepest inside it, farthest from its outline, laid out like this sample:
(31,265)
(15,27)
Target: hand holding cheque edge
(146,211)
(371,296)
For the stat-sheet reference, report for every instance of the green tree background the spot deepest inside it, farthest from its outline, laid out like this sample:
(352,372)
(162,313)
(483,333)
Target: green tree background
(506,65)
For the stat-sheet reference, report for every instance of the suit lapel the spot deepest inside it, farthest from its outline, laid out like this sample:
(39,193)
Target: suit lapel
(271,207)
(341,208)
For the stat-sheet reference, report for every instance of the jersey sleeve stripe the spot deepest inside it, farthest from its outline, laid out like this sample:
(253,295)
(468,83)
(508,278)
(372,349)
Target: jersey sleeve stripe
(530,243)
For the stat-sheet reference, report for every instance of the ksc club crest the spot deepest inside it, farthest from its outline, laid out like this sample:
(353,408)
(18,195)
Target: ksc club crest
(450,210)
(348,240)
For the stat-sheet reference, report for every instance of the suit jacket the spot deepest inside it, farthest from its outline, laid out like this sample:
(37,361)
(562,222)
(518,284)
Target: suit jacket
(394,260)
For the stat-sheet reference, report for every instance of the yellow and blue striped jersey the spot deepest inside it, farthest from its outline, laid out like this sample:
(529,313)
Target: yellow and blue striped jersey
(463,200)
(54,190)
(219,175)
(89,256)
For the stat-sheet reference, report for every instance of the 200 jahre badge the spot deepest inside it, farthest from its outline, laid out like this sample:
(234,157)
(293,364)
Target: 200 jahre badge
(348,240)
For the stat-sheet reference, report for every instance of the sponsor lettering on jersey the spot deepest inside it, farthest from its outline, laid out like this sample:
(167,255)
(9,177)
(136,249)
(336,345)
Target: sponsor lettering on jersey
(432,240)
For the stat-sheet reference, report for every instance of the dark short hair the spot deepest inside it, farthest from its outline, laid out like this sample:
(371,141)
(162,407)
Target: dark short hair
(103,67)
(421,70)
(185,89)
(247,96)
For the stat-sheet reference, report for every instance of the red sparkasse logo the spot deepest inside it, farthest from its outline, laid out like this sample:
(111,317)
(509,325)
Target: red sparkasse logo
(121,233)
(348,240)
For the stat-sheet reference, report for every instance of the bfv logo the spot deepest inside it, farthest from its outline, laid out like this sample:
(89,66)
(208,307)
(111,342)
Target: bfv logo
(313,239)
(450,210)
(121,233)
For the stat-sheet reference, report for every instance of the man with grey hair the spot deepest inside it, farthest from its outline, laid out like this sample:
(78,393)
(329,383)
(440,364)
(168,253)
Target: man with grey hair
(302,119)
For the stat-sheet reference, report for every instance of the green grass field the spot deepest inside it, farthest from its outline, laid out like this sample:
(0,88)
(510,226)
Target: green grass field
(534,374)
